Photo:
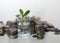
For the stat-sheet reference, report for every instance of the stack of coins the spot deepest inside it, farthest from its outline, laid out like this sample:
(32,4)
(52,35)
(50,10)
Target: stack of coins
(38,18)
(39,31)
(18,18)
(2,32)
(32,25)
(12,33)
(6,28)
(13,29)
(49,27)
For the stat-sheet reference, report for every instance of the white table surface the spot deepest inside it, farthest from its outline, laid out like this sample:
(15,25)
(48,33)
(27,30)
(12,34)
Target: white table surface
(50,37)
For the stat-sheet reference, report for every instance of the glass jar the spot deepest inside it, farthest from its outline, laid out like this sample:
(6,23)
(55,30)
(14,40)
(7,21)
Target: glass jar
(24,30)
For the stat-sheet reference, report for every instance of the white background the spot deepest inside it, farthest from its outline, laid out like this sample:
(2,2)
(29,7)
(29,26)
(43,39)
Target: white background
(48,10)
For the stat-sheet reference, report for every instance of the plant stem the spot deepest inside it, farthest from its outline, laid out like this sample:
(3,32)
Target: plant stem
(22,21)
(22,24)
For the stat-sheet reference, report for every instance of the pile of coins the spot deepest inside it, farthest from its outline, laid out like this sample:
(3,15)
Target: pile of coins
(36,27)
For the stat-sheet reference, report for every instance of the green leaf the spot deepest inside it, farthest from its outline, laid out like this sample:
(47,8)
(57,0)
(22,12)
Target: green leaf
(21,12)
(26,13)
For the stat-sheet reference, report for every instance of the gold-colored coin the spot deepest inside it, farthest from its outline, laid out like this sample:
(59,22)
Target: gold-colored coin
(38,18)
(1,31)
(38,26)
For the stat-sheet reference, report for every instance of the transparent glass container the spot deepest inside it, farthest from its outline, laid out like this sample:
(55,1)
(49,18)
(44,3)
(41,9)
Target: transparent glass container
(24,30)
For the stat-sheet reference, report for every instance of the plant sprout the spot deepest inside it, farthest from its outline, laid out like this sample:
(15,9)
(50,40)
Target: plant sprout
(23,15)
